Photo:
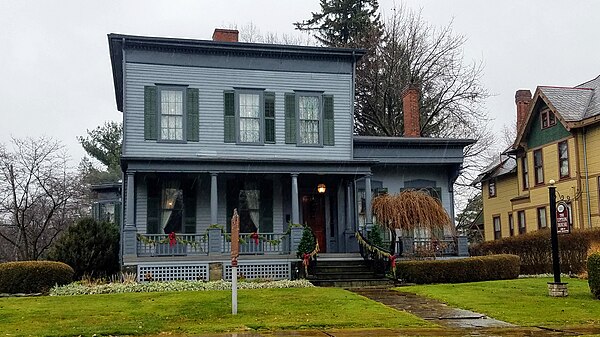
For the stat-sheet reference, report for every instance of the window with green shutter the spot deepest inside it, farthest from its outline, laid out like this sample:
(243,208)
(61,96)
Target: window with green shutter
(290,118)
(192,110)
(249,116)
(229,116)
(328,125)
(269,117)
(150,113)
(171,113)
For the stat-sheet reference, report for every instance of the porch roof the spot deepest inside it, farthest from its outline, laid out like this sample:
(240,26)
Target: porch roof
(246,165)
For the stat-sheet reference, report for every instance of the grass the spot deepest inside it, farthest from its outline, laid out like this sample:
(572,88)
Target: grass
(523,302)
(196,312)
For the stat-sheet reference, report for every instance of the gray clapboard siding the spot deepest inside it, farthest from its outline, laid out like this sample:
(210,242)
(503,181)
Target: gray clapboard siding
(212,82)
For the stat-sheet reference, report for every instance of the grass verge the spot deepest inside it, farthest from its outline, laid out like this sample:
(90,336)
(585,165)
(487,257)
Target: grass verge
(523,301)
(196,312)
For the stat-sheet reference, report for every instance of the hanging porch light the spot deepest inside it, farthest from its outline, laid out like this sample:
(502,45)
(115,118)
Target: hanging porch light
(321,188)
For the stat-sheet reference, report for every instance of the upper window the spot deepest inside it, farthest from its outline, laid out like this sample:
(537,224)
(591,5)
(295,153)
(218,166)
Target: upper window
(548,119)
(250,117)
(541,213)
(309,119)
(563,159)
(492,188)
(538,166)
(525,172)
(171,113)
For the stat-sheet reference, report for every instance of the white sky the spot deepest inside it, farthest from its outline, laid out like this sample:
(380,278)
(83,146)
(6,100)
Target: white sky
(55,75)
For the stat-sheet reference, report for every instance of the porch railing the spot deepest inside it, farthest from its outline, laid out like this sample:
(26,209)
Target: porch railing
(261,243)
(161,245)
(424,247)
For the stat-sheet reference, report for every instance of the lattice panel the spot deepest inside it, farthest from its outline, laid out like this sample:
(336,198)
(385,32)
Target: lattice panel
(189,272)
(267,271)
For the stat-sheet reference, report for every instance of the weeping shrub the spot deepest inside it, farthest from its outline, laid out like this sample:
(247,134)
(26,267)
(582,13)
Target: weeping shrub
(90,247)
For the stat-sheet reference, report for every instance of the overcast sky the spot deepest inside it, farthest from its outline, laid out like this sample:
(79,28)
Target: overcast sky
(55,75)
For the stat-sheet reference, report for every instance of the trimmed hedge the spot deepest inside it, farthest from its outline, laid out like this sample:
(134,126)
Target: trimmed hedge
(593,265)
(33,276)
(471,269)
(535,252)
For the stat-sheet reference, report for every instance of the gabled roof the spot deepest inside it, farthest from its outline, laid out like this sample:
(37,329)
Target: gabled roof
(500,166)
(574,107)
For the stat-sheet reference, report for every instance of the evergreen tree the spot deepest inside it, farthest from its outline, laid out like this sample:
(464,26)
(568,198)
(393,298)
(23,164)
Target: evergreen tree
(103,144)
(307,242)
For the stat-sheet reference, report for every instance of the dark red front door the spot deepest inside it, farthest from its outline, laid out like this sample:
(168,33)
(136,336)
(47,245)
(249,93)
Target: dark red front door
(313,215)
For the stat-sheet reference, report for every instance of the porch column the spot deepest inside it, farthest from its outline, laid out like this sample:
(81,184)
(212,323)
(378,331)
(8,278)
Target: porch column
(295,204)
(130,230)
(214,206)
(368,210)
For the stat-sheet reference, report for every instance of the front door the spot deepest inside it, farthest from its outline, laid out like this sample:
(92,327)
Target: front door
(313,215)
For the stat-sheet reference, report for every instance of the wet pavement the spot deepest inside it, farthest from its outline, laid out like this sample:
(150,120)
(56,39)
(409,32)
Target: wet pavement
(431,310)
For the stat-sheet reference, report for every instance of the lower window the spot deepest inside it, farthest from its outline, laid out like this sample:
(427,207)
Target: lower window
(497,228)
(253,199)
(171,206)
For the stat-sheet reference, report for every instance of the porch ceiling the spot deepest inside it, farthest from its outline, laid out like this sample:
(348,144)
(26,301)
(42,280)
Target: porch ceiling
(241,165)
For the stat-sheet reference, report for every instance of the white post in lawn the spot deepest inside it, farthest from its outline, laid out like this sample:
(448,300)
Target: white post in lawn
(235,249)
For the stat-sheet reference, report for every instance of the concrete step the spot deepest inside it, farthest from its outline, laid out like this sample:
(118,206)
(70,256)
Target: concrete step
(345,275)
(327,263)
(354,283)
(342,269)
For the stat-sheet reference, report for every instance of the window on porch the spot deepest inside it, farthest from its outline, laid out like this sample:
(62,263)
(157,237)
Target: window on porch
(253,198)
(171,206)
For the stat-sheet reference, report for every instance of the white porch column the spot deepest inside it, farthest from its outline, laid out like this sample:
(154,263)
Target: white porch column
(214,206)
(295,203)
(368,196)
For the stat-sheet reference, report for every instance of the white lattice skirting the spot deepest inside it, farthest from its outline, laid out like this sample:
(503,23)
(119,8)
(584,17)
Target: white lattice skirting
(260,270)
(172,272)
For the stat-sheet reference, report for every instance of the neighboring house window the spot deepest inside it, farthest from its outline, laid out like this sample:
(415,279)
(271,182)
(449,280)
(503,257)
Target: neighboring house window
(525,172)
(521,220)
(250,117)
(309,119)
(492,188)
(538,166)
(541,215)
(548,119)
(497,228)
(171,113)
(511,224)
(563,159)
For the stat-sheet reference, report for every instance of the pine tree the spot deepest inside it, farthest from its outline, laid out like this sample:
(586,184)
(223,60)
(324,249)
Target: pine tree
(307,242)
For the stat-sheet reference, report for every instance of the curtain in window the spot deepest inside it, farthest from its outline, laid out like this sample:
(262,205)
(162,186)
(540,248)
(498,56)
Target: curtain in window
(172,205)
(308,107)
(171,107)
(249,118)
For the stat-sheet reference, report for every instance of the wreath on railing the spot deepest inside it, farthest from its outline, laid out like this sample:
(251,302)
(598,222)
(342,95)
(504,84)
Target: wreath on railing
(380,253)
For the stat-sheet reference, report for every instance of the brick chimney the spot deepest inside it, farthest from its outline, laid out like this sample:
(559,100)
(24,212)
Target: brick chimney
(225,35)
(522,99)
(410,109)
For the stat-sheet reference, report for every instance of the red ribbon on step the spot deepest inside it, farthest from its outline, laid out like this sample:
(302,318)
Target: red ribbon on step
(172,239)
(254,237)
(393,263)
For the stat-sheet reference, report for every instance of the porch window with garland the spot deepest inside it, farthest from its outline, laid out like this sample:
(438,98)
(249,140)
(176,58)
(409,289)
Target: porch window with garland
(171,206)
(253,199)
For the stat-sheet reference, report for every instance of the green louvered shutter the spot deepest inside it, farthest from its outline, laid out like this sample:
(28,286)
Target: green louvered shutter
(290,118)
(150,113)
(266,206)
(153,207)
(192,115)
(189,208)
(328,127)
(269,117)
(229,116)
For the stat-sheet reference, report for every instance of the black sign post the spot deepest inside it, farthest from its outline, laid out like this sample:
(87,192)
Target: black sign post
(556,288)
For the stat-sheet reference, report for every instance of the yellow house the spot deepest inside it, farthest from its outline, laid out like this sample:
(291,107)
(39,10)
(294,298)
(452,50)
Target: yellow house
(558,139)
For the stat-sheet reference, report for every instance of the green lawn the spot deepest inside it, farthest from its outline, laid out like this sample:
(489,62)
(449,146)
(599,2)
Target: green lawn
(196,312)
(523,302)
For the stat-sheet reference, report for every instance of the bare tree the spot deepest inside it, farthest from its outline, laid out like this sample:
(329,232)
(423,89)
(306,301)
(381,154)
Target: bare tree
(38,196)
(251,33)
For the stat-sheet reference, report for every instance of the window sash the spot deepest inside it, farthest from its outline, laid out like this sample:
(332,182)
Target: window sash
(521,219)
(497,228)
(309,117)
(525,167)
(542,221)
(563,159)
(511,224)
(171,114)
(492,188)
(538,163)
(249,107)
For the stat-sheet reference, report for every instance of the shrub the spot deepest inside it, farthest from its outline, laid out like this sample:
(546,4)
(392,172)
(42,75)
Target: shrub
(535,252)
(307,242)
(33,276)
(90,247)
(471,269)
(593,265)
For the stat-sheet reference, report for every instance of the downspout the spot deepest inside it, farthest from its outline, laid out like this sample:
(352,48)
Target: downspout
(587,181)
(578,177)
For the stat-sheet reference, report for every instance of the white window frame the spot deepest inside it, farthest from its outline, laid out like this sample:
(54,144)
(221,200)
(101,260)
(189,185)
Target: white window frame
(299,120)
(261,115)
(183,115)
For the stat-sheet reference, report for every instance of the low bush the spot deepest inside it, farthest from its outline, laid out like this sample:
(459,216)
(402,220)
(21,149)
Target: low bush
(33,276)
(593,265)
(90,247)
(79,288)
(471,269)
(535,251)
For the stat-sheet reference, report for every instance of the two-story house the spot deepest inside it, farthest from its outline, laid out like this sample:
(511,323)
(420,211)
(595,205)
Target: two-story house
(213,126)
(558,139)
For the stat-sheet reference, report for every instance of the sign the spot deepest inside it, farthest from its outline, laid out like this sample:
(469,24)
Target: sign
(235,252)
(562,218)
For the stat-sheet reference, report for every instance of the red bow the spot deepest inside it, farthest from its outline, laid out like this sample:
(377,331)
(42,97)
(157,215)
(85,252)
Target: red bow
(393,264)
(172,239)
(254,236)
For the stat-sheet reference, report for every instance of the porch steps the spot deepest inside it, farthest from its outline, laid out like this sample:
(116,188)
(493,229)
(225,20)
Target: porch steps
(348,273)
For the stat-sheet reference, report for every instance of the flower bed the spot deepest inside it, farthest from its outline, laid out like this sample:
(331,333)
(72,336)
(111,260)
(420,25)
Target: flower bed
(77,288)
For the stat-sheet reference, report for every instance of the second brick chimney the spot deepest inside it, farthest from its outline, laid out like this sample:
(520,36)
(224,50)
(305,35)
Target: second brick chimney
(410,109)
(225,35)
(522,99)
